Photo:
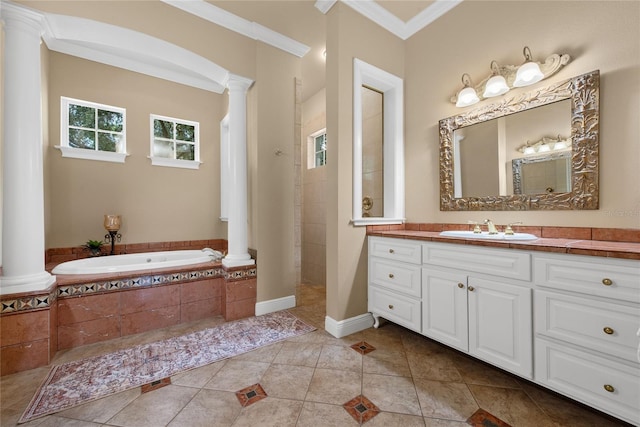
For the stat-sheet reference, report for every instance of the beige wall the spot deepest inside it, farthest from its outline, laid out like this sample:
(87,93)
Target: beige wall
(349,35)
(275,224)
(314,183)
(600,35)
(156,203)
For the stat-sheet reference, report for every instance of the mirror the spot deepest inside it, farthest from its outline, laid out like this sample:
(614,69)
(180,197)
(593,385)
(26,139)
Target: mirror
(484,153)
(372,153)
(547,174)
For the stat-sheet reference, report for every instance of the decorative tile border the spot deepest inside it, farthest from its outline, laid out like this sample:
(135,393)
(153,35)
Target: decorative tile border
(235,275)
(31,302)
(137,282)
(27,303)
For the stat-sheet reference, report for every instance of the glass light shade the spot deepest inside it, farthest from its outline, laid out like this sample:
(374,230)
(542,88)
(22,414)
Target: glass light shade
(529,150)
(466,97)
(495,86)
(112,222)
(544,148)
(560,145)
(528,74)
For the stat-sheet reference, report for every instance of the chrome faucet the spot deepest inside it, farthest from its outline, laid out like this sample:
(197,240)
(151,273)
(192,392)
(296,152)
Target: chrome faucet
(490,227)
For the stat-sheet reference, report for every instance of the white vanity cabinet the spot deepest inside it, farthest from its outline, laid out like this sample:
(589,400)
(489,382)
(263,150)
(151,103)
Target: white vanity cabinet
(567,322)
(587,317)
(394,281)
(478,300)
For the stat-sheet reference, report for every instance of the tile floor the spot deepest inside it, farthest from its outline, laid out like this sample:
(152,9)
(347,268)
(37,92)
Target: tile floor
(380,377)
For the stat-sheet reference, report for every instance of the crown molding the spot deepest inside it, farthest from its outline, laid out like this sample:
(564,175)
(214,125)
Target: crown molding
(428,15)
(387,20)
(240,25)
(324,5)
(378,14)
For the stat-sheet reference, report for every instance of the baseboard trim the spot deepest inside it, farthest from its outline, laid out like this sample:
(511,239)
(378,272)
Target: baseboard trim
(342,328)
(264,307)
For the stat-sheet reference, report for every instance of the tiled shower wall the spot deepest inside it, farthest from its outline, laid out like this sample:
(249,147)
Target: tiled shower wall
(313,209)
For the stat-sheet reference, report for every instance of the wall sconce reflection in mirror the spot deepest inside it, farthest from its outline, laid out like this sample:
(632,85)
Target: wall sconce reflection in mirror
(505,77)
(545,145)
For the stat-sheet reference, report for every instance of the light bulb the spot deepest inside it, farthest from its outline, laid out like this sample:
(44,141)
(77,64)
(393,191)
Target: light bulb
(495,86)
(528,74)
(466,97)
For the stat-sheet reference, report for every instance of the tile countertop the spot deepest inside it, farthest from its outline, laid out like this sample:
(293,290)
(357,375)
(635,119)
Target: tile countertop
(598,248)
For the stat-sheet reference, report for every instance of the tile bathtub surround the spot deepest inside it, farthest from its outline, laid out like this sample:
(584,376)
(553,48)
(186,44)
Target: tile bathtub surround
(88,309)
(307,382)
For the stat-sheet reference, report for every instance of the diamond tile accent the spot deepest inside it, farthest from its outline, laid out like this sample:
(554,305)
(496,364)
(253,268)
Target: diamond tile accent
(154,385)
(361,409)
(482,418)
(250,395)
(363,347)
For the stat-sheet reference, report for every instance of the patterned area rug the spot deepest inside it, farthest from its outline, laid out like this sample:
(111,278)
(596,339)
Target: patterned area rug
(89,379)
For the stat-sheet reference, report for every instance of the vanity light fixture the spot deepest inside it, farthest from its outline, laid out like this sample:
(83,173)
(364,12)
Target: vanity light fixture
(545,145)
(467,96)
(544,148)
(496,85)
(505,77)
(560,145)
(529,72)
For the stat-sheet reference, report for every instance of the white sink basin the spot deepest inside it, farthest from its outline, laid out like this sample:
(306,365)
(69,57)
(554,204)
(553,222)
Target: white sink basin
(486,236)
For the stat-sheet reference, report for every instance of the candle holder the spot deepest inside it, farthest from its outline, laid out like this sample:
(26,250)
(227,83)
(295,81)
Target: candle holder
(112,224)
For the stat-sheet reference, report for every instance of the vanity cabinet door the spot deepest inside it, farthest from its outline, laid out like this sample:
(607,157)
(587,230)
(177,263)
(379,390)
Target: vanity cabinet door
(444,307)
(500,325)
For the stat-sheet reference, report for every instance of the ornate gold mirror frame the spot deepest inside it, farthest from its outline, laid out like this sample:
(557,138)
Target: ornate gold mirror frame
(584,93)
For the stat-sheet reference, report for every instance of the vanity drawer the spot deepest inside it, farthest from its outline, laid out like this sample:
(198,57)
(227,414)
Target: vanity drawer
(395,276)
(395,249)
(584,377)
(601,326)
(404,311)
(608,277)
(497,262)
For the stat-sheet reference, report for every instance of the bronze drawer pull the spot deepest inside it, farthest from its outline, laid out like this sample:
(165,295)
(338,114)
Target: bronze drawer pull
(607,282)
(391,251)
(390,275)
(461,285)
(390,306)
(609,388)
(607,330)
(471,289)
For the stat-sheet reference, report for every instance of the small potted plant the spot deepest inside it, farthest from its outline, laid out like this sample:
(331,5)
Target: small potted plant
(94,247)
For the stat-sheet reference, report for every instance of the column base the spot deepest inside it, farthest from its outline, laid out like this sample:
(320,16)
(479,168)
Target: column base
(237,261)
(28,283)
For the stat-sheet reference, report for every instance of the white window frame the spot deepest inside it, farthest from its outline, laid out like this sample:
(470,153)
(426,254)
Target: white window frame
(82,153)
(175,163)
(311,149)
(392,88)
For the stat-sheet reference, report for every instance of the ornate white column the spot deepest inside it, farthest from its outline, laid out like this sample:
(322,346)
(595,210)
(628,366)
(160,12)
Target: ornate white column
(238,254)
(22,176)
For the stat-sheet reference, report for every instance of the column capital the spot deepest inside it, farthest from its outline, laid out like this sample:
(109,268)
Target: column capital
(11,13)
(238,83)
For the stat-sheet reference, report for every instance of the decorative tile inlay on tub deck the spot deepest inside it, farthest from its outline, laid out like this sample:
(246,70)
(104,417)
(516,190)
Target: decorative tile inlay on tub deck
(31,302)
